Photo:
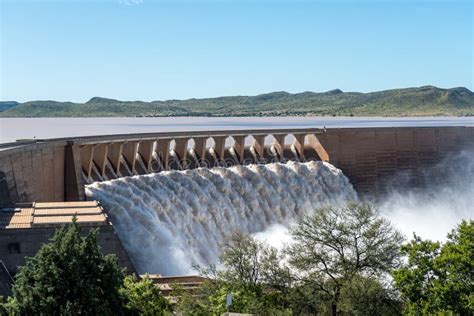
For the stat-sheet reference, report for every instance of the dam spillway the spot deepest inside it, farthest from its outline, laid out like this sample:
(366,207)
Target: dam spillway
(59,169)
(182,216)
(371,158)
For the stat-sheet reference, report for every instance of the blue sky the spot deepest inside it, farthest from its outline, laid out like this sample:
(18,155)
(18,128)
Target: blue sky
(154,50)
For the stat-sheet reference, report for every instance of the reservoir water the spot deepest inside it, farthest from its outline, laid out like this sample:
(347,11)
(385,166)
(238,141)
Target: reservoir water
(12,129)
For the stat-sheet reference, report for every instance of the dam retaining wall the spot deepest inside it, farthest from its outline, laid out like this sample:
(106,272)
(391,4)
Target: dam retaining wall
(58,169)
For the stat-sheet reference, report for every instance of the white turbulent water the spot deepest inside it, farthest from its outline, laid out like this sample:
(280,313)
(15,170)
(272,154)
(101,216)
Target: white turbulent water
(434,210)
(169,220)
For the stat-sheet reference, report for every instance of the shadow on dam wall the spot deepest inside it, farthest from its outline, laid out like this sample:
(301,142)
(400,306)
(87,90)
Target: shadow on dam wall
(58,169)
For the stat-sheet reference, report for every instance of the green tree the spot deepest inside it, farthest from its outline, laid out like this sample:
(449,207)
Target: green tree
(69,276)
(439,278)
(3,307)
(333,246)
(360,296)
(249,262)
(251,273)
(369,296)
(143,297)
(196,303)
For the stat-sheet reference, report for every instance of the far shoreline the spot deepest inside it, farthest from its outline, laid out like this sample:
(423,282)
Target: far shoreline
(12,129)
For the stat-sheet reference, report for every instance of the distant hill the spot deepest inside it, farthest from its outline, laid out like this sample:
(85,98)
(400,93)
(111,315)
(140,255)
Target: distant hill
(5,105)
(422,101)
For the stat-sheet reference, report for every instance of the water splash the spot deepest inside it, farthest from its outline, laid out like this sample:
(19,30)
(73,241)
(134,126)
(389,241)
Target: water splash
(436,208)
(169,220)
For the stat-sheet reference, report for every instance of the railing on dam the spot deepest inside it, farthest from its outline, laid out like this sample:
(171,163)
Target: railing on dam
(58,169)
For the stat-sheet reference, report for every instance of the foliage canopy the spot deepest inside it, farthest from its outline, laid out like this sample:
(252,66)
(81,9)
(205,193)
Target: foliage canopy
(335,252)
(144,297)
(69,275)
(439,278)
(334,245)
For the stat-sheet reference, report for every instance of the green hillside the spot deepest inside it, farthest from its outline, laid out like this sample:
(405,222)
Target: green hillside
(5,105)
(422,101)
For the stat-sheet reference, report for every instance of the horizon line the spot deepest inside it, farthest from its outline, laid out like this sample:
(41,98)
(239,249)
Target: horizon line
(236,95)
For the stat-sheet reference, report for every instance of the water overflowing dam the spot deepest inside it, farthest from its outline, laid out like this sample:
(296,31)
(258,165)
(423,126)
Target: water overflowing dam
(170,212)
(169,220)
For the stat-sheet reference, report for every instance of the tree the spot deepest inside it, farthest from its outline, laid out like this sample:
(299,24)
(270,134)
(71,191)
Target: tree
(3,307)
(333,246)
(439,278)
(144,297)
(250,272)
(69,276)
(249,262)
(369,296)
(241,259)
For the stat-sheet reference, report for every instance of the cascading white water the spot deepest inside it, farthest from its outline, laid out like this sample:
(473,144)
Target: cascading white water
(169,220)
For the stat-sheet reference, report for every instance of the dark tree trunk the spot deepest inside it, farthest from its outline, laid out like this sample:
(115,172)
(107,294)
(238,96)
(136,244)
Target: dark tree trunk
(335,301)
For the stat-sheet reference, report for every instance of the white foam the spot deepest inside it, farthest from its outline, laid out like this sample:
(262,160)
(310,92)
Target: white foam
(169,220)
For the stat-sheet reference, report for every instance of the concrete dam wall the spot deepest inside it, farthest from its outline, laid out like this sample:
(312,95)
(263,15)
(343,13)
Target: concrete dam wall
(58,169)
